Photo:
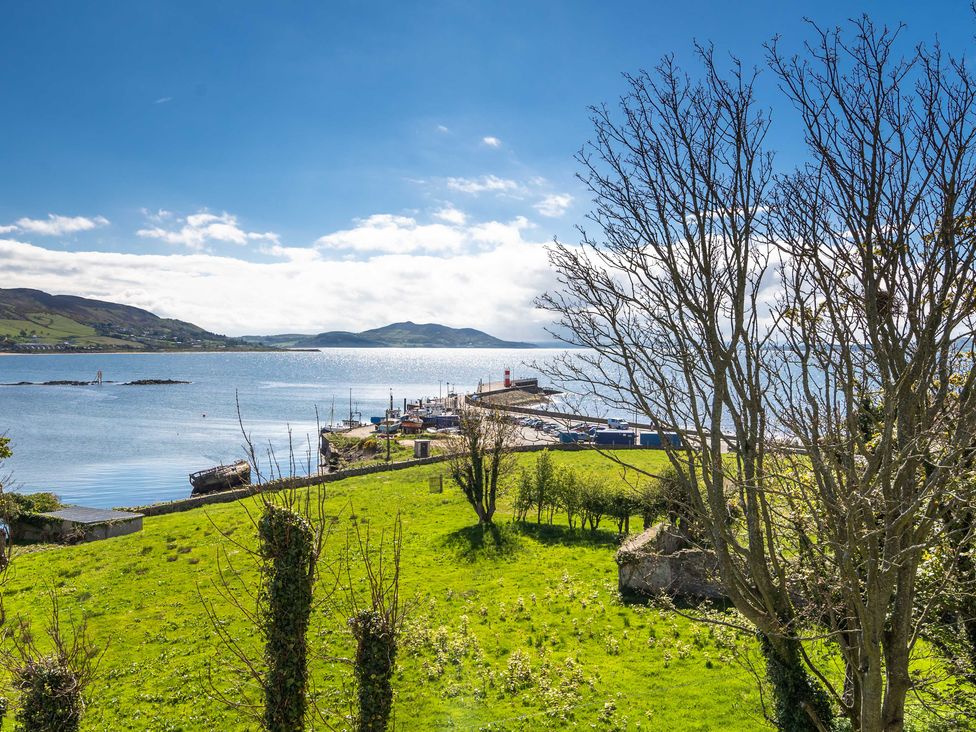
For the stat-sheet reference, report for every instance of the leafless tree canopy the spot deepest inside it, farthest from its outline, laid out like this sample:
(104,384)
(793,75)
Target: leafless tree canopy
(821,320)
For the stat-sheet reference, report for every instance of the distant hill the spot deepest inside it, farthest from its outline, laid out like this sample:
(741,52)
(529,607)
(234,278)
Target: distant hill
(395,335)
(35,321)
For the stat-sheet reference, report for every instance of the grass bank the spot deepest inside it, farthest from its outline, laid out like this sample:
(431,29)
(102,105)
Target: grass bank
(519,630)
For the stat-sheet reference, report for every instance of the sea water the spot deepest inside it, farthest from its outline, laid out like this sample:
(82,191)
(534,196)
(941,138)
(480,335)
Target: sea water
(115,445)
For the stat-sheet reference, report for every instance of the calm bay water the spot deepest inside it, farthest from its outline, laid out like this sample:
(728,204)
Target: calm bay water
(114,445)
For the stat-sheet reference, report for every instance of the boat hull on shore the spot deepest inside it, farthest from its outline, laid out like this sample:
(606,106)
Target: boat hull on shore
(220,478)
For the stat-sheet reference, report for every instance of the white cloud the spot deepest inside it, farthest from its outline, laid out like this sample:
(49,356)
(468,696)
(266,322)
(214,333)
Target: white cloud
(55,225)
(484,184)
(163,100)
(386,233)
(451,215)
(491,141)
(200,229)
(483,276)
(443,129)
(555,204)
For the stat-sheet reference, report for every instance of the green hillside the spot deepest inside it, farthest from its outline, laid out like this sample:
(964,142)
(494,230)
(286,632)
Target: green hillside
(395,335)
(32,321)
(529,634)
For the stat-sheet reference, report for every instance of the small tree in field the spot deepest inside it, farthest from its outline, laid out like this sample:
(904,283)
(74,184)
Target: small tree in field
(481,458)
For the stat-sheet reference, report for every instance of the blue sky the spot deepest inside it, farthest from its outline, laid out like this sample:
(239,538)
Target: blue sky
(174,154)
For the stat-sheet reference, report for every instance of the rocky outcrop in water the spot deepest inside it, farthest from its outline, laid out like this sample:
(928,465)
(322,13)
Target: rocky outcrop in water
(154,382)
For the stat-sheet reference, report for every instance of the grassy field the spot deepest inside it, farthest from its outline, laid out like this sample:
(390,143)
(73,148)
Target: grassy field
(523,633)
(50,329)
(47,327)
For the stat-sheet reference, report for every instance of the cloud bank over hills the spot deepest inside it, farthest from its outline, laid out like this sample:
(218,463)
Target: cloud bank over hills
(442,267)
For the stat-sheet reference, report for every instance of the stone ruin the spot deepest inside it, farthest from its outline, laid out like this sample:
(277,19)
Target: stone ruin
(663,560)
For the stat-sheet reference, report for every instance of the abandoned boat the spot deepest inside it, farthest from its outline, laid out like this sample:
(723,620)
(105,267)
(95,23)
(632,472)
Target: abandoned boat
(220,478)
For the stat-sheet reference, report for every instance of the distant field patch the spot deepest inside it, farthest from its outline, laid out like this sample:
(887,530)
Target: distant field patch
(45,327)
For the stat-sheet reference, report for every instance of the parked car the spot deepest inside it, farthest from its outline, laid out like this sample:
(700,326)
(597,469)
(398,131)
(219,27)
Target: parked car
(617,424)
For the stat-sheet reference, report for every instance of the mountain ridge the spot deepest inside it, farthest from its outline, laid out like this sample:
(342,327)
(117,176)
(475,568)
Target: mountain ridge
(406,334)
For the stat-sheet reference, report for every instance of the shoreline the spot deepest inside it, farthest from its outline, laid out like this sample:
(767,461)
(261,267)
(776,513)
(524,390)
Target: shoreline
(323,349)
(146,353)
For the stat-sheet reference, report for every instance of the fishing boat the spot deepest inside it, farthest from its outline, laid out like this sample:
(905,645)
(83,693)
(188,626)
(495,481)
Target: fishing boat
(220,478)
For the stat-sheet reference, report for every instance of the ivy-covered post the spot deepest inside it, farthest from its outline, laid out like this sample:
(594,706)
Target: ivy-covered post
(376,649)
(287,551)
(375,622)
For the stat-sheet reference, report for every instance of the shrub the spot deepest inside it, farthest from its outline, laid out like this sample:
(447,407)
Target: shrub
(17,505)
(569,490)
(50,684)
(594,500)
(538,489)
(620,504)
(50,696)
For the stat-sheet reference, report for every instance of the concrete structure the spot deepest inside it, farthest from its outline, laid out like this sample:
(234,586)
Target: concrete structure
(77,524)
(661,559)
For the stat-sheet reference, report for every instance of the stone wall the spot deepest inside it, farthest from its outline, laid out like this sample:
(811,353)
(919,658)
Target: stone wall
(186,504)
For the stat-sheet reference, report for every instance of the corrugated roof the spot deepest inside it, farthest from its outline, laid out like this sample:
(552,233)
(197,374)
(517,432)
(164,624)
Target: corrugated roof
(83,515)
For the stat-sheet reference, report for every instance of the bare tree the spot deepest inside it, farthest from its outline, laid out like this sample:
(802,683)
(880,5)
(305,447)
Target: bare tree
(669,300)
(847,398)
(481,458)
(878,255)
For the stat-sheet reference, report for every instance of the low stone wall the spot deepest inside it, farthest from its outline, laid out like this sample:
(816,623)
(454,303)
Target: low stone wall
(304,481)
(185,504)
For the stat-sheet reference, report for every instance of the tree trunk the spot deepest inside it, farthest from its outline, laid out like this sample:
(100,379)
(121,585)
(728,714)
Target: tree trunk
(801,705)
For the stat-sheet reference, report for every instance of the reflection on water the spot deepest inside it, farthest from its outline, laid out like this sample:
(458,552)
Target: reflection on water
(115,445)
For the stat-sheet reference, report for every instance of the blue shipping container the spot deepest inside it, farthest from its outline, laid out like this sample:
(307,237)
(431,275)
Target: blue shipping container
(614,437)
(653,439)
(568,438)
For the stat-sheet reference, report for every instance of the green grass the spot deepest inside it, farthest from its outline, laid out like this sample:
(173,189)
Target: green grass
(48,329)
(519,630)
(46,326)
